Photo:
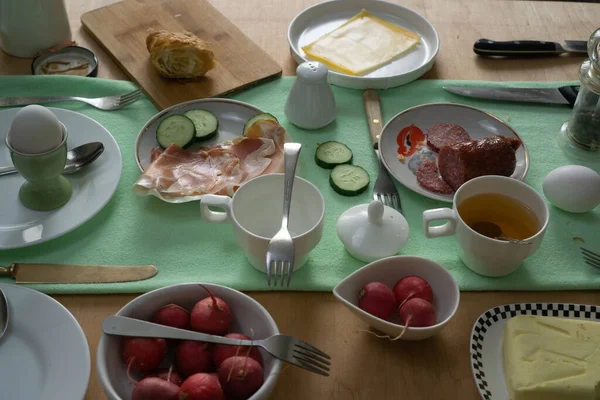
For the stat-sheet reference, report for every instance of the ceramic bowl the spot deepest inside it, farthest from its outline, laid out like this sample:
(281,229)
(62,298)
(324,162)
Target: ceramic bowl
(248,315)
(389,271)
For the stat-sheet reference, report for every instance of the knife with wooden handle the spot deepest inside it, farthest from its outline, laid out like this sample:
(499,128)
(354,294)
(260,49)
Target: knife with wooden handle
(70,273)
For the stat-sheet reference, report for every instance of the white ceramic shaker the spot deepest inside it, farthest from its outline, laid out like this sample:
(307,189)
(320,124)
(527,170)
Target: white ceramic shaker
(30,26)
(310,104)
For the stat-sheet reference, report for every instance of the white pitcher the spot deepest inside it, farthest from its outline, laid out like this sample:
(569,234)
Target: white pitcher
(29,26)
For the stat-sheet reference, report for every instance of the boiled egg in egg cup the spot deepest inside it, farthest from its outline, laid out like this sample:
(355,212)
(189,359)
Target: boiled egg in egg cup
(37,141)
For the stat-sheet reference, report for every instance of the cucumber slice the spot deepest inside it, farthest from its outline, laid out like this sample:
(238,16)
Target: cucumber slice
(349,180)
(330,154)
(205,122)
(258,117)
(175,129)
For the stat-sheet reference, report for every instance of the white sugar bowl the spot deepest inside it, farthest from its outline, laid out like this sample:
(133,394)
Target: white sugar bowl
(372,231)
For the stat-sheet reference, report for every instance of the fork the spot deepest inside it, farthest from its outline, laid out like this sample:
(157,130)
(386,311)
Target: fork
(384,189)
(590,257)
(283,347)
(103,103)
(280,253)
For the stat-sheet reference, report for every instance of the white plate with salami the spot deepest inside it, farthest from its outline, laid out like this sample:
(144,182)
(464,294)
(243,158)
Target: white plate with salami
(432,149)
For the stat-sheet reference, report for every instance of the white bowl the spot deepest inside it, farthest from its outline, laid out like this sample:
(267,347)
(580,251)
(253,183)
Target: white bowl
(248,314)
(389,271)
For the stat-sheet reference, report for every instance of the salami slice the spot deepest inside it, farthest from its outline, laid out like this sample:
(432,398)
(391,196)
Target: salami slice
(429,178)
(440,135)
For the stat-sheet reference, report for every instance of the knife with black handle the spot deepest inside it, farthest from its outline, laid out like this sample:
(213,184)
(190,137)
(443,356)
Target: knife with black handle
(516,48)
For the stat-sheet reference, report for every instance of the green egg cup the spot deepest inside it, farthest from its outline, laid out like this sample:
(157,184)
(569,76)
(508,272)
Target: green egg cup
(46,189)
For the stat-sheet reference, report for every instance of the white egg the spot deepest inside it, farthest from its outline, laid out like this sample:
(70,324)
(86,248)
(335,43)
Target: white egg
(573,188)
(34,130)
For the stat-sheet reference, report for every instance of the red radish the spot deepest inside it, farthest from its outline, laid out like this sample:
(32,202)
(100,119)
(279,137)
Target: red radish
(144,354)
(168,375)
(193,357)
(377,299)
(412,286)
(173,315)
(417,312)
(201,387)
(155,389)
(211,315)
(240,377)
(222,352)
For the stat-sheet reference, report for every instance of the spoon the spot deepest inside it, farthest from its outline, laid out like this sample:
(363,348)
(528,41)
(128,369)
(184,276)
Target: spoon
(77,158)
(3,313)
(493,231)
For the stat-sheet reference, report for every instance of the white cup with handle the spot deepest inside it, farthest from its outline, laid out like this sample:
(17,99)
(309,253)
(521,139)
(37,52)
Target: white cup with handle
(255,211)
(482,254)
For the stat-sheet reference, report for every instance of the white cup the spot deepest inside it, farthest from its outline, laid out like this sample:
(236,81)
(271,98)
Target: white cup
(486,256)
(255,211)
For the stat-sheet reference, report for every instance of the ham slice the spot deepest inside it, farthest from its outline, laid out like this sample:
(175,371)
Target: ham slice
(177,175)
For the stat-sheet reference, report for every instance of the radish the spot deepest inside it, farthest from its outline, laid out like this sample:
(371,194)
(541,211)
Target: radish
(168,375)
(417,312)
(144,354)
(240,377)
(193,357)
(173,315)
(412,286)
(201,387)
(153,388)
(222,352)
(211,315)
(377,299)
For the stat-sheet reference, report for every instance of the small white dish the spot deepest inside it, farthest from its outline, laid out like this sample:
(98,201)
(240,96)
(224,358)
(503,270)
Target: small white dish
(250,319)
(477,123)
(372,231)
(93,186)
(390,270)
(44,352)
(486,340)
(322,18)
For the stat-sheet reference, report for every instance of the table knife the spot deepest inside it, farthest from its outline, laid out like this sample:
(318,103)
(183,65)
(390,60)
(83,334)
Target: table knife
(519,48)
(68,273)
(561,95)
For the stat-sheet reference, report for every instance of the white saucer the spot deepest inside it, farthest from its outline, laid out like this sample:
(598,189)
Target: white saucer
(322,18)
(44,353)
(92,187)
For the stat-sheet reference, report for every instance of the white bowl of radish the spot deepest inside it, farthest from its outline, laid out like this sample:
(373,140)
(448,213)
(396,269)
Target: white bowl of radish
(176,362)
(405,297)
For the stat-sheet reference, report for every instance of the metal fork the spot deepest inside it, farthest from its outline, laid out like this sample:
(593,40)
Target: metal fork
(283,347)
(280,253)
(384,189)
(590,257)
(103,103)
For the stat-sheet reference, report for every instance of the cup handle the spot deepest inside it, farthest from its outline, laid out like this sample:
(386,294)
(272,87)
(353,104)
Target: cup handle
(218,217)
(439,214)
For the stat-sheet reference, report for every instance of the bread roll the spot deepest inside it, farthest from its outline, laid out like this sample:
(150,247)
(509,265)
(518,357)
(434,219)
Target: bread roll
(179,55)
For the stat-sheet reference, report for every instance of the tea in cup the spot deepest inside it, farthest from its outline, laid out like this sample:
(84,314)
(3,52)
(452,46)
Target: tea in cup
(498,222)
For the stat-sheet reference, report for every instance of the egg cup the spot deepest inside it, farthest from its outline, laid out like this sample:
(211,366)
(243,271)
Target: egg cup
(46,189)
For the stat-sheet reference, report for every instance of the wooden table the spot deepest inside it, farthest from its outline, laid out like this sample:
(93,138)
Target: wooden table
(365,367)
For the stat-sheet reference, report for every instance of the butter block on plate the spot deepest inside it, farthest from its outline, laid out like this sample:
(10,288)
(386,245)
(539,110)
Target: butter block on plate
(362,44)
(549,358)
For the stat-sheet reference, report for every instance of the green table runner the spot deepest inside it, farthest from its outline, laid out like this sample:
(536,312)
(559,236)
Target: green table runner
(134,230)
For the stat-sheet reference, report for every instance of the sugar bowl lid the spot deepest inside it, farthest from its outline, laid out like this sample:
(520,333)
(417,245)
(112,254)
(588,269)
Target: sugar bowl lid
(372,231)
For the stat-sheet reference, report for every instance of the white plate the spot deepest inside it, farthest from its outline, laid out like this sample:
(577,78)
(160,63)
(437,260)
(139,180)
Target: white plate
(44,353)
(486,340)
(232,116)
(477,123)
(322,18)
(92,187)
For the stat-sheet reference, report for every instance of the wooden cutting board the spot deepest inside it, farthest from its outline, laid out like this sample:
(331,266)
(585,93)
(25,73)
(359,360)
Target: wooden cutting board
(122,28)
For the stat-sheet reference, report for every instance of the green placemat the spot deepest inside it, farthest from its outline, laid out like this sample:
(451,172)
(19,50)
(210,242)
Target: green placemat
(133,230)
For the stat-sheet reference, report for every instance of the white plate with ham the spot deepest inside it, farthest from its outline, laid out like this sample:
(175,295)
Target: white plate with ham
(432,149)
(215,166)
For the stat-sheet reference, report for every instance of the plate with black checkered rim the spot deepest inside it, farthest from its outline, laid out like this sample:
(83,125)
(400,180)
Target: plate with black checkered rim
(486,340)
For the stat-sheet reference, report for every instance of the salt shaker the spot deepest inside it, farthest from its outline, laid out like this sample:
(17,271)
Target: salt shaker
(580,137)
(310,104)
